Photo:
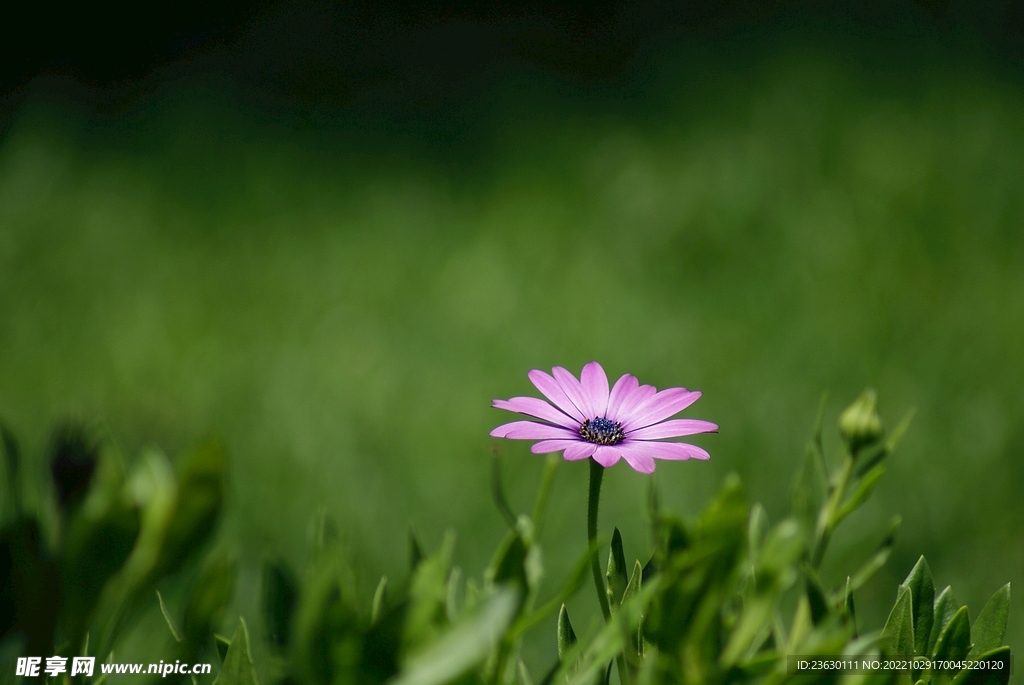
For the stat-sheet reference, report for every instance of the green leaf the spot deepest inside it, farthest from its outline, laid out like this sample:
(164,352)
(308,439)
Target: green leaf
(945,606)
(498,492)
(955,639)
(878,559)
(465,645)
(566,635)
(167,617)
(922,591)
(757,528)
(523,673)
(898,633)
(222,644)
(416,554)
(848,607)
(200,497)
(380,596)
(280,595)
(616,573)
(808,490)
(816,599)
(237,668)
(864,489)
(990,626)
(985,676)
(635,582)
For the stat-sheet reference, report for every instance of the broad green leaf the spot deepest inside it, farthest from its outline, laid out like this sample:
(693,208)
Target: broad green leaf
(990,626)
(566,635)
(465,645)
(955,639)
(616,573)
(922,591)
(985,676)
(898,633)
(237,668)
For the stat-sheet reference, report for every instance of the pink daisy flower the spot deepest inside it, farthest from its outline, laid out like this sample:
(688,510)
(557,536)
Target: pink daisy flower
(585,419)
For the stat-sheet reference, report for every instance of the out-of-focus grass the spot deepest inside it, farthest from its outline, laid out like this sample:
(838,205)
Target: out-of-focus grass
(341,302)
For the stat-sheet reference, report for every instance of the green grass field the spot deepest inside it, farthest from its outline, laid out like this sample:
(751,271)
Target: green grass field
(339,296)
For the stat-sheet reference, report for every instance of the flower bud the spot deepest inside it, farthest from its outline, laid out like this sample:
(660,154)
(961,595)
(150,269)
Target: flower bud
(859,423)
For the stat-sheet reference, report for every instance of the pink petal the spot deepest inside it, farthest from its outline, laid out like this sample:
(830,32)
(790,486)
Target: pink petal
(530,430)
(622,389)
(637,457)
(579,450)
(673,429)
(630,402)
(547,446)
(550,388)
(676,451)
(595,388)
(606,455)
(573,390)
(531,406)
(661,406)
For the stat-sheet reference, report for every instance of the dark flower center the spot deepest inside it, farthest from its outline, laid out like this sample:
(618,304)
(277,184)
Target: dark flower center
(602,431)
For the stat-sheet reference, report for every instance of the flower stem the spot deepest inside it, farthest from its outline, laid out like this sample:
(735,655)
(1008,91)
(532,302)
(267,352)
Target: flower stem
(596,475)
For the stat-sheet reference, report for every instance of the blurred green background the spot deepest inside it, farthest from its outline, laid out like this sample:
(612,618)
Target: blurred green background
(339,293)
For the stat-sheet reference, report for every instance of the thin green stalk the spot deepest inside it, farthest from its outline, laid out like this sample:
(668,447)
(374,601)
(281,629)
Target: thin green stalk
(596,476)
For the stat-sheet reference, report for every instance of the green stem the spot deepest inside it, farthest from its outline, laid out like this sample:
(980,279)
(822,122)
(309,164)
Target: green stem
(826,521)
(596,475)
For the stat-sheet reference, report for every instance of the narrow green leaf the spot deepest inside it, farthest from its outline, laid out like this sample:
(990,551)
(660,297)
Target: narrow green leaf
(990,626)
(922,590)
(167,617)
(815,597)
(498,492)
(380,598)
(955,639)
(463,646)
(222,644)
(878,559)
(635,581)
(523,673)
(416,554)
(945,606)
(898,633)
(757,528)
(280,596)
(566,635)
(863,490)
(848,607)
(451,604)
(616,573)
(237,668)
